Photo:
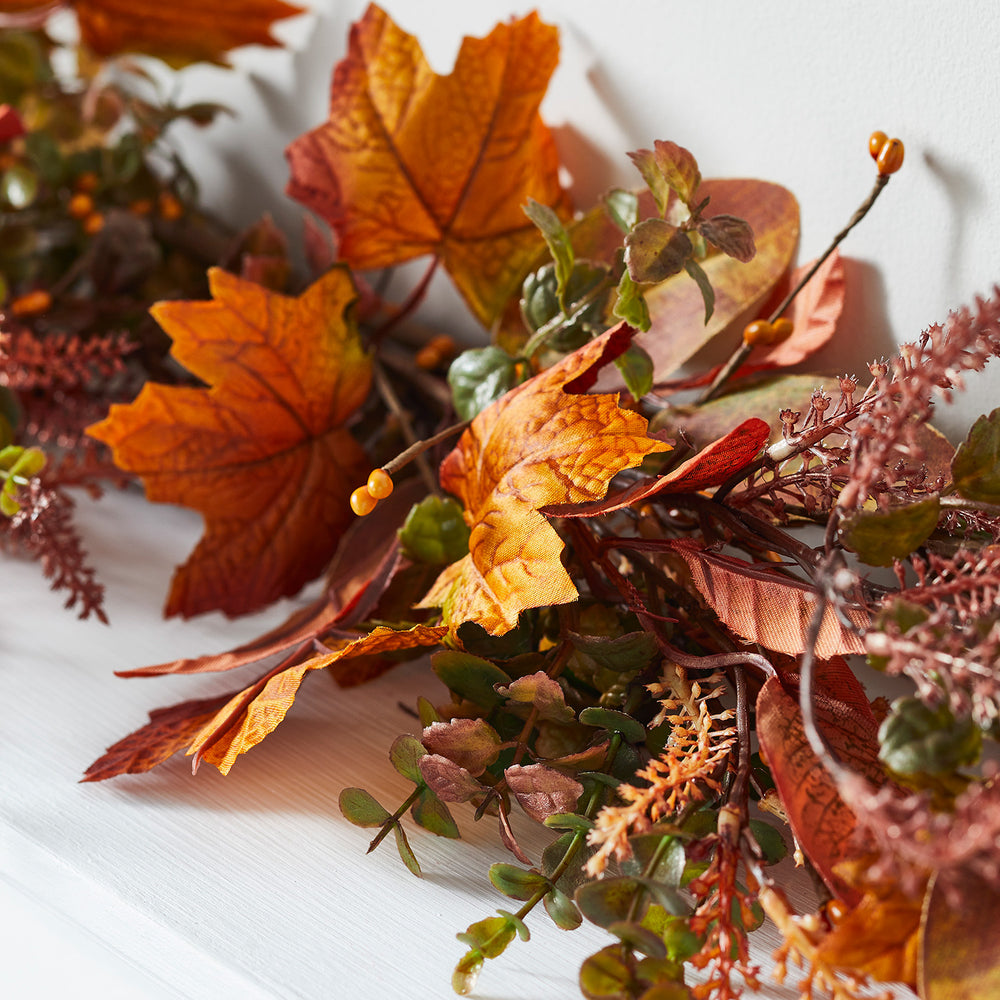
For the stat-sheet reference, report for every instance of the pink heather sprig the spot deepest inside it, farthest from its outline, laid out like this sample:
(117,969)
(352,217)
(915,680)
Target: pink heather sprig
(59,360)
(905,387)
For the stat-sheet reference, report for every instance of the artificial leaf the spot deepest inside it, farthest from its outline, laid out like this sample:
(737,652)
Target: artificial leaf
(562,910)
(256,711)
(180,32)
(168,730)
(432,814)
(918,739)
(655,250)
(262,453)
(479,377)
(763,606)
(541,693)
(823,823)
(470,676)
(405,754)
(473,744)
(668,168)
(732,236)
(542,791)
(434,531)
(411,163)
(880,537)
(516,883)
(538,445)
(712,466)
(449,781)
(958,948)
(976,466)
(361,808)
(622,208)
(557,239)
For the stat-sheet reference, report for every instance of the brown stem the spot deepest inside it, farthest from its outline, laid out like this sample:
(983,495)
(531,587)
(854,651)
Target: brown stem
(395,407)
(408,306)
(419,447)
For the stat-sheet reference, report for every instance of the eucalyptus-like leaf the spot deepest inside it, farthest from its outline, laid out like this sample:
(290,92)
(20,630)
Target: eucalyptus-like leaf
(470,677)
(975,468)
(491,936)
(606,976)
(562,910)
(631,729)
(435,532)
(881,537)
(655,250)
(466,974)
(540,692)
(471,743)
(675,932)
(557,238)
(479,377)
(622,208)
(701,279)
(636,937)
(432,814)
(569,821)
(542,791)
(361,808)
(449,781)
(608,900)
(630,304)
(405,851)
(636,367)
(915,738)
(517,883)
(769,840)
(669,868)
(405,754)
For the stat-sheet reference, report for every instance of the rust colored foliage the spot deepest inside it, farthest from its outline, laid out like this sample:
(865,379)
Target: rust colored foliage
(262,452)
(411,163)
(538,445)
(180,32)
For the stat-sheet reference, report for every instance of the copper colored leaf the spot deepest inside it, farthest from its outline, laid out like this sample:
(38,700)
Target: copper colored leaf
(262,453)
(732,236)
(762,606)
(168,730)
(958,959)
(821,820)
(410,163)
(253,713)
(449,781)
(473,744)
(665,168)
(538,445)
(542,791)
(540,693)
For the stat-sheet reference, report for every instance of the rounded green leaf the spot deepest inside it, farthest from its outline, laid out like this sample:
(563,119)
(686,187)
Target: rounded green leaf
(466,974)
(605,976)
(655,250)
(479,377)
(975,468)
(918,739)
(770,841)
(562,910)
(616,722)
(432,814)
(608,900)
(361,808)
(517,883)
(405,851)
(638,938)
(569,821)
(405,755)
(881,537)
(469,677)
(435,532)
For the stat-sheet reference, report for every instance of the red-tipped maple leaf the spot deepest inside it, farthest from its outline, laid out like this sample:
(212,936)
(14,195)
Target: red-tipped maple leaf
(411,163)
(262,453)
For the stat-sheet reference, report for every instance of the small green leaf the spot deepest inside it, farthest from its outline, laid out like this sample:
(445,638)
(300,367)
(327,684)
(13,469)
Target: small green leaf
(517,883)
(770,841)
(361,808)
(469,676)
(645,162)
(731,235)
(670,867)
(569,821)
(490,936)
(432,814)
(606,976)
(975,468)
(427,712)
(704,286)
(517,923)
(630,304)
(562,910)
(622,208)
(558,241)
(435,532)
(636,937)
(404,754)
(479,377)
(636,367)
(405,851)
(918,739)
(679,169)
(542,303)
(904,615)
(656,250)
(681,942)
(880,537)
(616,722)
(466,974)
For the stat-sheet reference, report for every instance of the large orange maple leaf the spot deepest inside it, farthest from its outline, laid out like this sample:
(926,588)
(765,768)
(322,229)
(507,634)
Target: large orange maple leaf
(262,452)
(411,163)
(538,445)
(179,32)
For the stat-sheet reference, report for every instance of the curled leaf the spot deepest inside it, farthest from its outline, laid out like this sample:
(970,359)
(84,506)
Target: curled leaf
(449,781)
(473,744)
(542,791)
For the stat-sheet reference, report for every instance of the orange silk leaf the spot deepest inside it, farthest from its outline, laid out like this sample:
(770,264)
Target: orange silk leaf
(536,446)
(262,453)
(180,32)
(412,163)
(764,607)
(256,711)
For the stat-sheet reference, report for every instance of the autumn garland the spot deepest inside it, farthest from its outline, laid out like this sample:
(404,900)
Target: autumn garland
(619,602)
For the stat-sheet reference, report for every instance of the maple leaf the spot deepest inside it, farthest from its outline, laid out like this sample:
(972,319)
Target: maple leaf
(262,453)
(179,32)
(538,445)
(412,163)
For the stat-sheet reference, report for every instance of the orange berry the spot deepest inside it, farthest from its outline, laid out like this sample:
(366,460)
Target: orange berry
(428,358)
(141,207)
(93,224)
(362,502)
(875,143)
(890,157)
(170,208)
(80,205)
(757,333)
(783,329)
(31,303)
(380,484)
(86,182)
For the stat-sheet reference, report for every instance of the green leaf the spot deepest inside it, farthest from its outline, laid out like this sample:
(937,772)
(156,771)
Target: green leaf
(655,250)
(406,750)
(427,712)
(670,867)
(569,821)
(636,937)
(466,974)
(432,814)
(435,532)
(668,167)
(770,840)
(904,615)
(606,901)
(681,942)
(975,468)
(636,367)
(490,936)
(361,808)
(704,286)
(622,208)
(606,976)
(918,739)
(517,923)
(630,304)
(562,910)
(517,883)
(479,377)
(541,304)
(405,851)
(881,537)
(616,722)
(469,677)
(558,241)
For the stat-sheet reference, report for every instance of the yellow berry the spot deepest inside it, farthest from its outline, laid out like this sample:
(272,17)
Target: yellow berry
(783,329)
(362,502)
(380,484)
(757,333)
(80,206)
(93,224)
(31,303)
(170,208)
(875,143)
(890,157)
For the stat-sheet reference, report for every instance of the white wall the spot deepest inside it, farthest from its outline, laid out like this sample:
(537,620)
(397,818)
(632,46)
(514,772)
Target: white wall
(786,91)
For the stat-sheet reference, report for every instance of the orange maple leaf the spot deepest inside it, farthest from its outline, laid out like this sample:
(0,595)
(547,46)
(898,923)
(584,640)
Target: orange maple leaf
(179,32)
(412,163)
(262,453)
(536,446)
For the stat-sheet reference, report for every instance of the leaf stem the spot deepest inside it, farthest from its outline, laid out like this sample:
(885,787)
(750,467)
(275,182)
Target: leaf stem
(417,448)
(743,351)
(411,302)
(395,407)
(578,307)
(394,819)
